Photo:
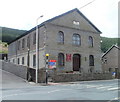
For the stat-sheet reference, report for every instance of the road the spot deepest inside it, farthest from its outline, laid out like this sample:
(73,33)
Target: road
(15,88)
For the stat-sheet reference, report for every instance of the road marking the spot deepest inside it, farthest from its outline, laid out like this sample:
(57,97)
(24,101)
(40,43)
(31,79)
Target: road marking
(116,98)
(33,93)
(93,86)
(53,91)
(20,94)
(115,88)
(104,87)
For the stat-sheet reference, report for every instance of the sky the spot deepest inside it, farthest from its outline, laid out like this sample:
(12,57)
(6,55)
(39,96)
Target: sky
(22,14)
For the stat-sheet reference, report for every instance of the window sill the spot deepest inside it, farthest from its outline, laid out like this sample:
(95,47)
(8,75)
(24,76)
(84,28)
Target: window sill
(76,45)
(91,47)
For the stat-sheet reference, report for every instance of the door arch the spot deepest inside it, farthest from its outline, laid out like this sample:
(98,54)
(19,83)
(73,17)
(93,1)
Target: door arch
(76,62)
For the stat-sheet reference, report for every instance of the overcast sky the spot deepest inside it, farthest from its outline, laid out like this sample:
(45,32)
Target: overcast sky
(22,14)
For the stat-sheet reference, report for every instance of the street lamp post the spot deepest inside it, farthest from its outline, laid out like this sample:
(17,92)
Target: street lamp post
(28,64)
(37,48)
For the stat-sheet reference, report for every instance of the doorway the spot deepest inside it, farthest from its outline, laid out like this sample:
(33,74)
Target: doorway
(76,62)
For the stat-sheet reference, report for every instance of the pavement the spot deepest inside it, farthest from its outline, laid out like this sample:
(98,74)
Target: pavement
(16,88)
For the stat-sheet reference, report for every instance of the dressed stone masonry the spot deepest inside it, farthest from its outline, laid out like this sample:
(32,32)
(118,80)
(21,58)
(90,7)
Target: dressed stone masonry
(70,39)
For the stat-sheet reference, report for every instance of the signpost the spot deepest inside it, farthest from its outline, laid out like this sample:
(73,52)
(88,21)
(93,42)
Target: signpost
(47,55)
(49,64)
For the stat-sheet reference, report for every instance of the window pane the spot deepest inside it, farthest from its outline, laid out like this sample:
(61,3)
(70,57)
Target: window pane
(61,59)
(18,45)
(61,37)
(34,38)
(23,43)
(28,42)
(91,60)
(18,61)
(90,41)
(34,60)
(78,42)
(22,60)
(74,42)
(76,39)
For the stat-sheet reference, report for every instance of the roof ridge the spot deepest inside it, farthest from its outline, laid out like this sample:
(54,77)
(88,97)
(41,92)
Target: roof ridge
(110,49)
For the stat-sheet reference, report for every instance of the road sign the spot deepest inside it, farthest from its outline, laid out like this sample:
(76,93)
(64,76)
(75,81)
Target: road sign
(52,60)
(52,64)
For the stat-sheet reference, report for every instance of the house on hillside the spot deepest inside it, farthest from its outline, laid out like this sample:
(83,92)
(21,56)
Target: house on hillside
(70,39)
(110,60)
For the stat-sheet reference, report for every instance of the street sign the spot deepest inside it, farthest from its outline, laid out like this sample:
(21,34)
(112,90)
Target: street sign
(52,64)
(68,57)
(52,60)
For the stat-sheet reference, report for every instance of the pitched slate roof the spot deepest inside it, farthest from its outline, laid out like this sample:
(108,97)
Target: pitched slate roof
(110,50)
(47,21)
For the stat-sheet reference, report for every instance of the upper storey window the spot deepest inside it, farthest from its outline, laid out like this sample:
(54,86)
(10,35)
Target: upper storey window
(23,43)
(76,39)
(60,37)
(28,41)
(90,41)
(76,22)
(18,45)
(34,38)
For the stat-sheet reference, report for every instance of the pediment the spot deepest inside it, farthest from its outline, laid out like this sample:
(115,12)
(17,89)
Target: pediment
(74,19)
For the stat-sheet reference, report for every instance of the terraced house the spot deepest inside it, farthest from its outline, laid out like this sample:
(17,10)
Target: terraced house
(70,39)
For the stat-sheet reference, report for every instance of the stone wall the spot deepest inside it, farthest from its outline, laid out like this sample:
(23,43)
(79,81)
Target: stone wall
(18,70)
(21,71)
(71,77)
(41,75)
(54,48)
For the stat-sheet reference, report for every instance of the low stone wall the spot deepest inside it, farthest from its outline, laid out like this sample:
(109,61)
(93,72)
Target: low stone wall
(42,75)
(18,70)
(71,77)
(21,71)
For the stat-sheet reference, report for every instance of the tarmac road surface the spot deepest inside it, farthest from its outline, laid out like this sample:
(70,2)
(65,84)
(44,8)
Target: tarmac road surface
(15,88)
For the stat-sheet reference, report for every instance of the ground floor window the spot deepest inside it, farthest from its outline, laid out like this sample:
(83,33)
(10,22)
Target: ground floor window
(22,60)
(34,60)
(91,60)
(18,60)
(13,60)
(28,60)
(61,60)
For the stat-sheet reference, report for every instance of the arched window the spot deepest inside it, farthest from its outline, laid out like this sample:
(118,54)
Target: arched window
(60,37)
(90,41)
(76,39)
(91,60)
(61,59)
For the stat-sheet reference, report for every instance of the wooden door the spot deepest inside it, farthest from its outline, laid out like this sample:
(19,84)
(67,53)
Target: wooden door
(76,62)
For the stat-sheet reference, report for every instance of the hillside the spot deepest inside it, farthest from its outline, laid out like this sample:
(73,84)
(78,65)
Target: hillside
(108,42)
(3,47)
(9,34)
